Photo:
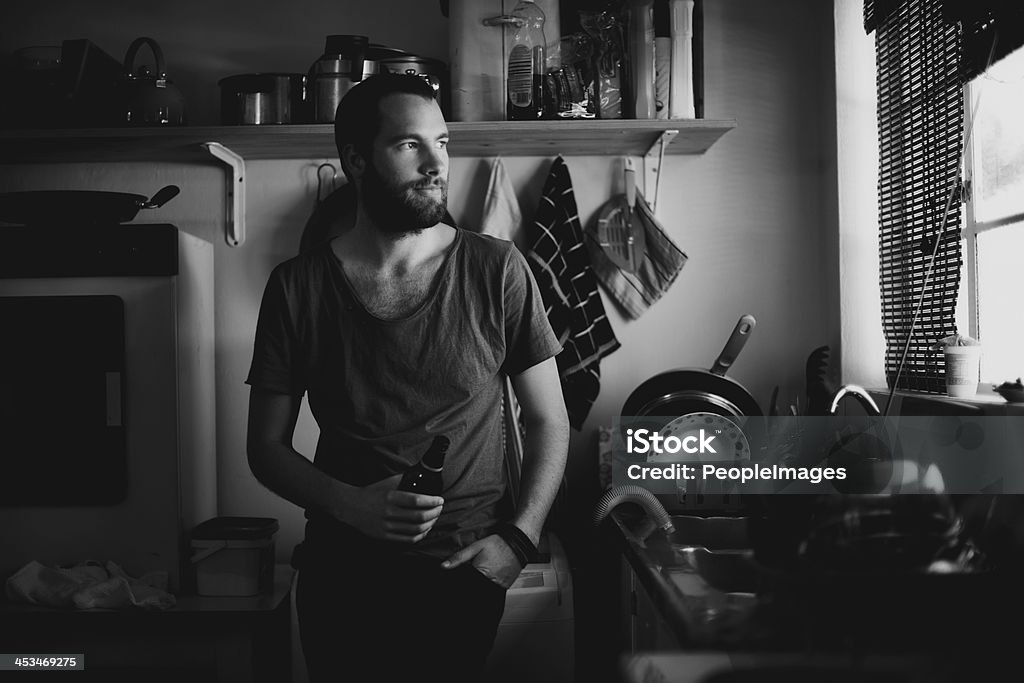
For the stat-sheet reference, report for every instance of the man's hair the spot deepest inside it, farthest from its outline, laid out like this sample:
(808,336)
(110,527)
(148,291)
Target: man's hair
(357,120)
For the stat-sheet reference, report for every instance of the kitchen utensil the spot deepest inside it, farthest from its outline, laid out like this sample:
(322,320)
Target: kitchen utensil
(342,65)
(621,235)
(820,389)
(148,96)
(264,98)
(67,208)
(691,390)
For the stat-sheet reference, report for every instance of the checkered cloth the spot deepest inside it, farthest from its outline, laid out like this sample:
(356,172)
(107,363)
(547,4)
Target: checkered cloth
(561,266)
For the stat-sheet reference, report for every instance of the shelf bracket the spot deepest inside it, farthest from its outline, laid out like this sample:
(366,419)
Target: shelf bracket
(653,161)
(234,225)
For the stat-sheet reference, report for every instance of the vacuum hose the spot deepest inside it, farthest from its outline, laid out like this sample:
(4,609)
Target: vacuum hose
(633,494)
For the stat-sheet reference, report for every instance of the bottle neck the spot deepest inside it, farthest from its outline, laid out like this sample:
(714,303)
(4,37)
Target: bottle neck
(433,459)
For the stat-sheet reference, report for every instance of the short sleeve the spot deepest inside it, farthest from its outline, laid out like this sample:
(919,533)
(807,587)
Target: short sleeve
(276,361)
(529,338)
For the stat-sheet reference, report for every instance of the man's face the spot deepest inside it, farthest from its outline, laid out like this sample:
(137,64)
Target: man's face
(405,182)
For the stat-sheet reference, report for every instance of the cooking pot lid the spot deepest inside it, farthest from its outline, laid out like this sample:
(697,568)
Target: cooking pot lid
(377,51)
(390,55)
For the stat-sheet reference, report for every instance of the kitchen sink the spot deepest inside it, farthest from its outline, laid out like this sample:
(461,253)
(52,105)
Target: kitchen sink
(713,533)
(713,571)
(718,549)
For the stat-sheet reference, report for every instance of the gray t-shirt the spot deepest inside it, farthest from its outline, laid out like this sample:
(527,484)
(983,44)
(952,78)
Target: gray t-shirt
(380,389)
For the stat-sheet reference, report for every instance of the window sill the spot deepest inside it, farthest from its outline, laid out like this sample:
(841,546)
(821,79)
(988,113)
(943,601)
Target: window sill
(986,401)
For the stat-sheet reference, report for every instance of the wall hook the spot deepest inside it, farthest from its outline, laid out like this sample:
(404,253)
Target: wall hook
(320,180)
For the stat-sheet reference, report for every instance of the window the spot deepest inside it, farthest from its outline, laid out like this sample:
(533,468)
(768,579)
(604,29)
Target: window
(950,87)
(993,219)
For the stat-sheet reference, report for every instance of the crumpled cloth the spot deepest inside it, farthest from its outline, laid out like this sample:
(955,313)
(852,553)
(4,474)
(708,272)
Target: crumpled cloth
(88,585)
(502,217)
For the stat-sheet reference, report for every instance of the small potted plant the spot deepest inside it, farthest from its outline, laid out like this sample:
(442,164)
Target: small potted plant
(963,358)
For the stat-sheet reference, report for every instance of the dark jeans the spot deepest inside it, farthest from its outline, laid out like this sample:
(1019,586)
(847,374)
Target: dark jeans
(396,618)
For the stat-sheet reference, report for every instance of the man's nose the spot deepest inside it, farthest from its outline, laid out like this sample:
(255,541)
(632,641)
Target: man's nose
(435,160)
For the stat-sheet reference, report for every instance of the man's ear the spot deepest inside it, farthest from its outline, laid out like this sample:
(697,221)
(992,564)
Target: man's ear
(352,161)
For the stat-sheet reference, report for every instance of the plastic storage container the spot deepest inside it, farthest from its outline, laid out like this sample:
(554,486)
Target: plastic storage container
(234,555)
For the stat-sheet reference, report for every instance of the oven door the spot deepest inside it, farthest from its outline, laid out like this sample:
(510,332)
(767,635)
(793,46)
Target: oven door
(62,437)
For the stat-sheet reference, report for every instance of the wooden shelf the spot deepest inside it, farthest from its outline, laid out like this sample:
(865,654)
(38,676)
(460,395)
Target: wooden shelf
(484,139)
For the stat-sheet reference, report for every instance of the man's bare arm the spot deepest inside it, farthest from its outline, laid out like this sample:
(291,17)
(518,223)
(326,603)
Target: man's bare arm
(377,510)
(546,445)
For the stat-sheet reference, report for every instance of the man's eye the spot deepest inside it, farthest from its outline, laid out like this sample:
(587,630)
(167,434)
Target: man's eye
(442,144)
(408,145)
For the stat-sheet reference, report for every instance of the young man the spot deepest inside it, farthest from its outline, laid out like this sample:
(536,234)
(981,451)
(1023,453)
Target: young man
(399,329)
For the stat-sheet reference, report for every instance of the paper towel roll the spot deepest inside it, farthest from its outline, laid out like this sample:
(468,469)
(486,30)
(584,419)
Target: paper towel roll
(681,105)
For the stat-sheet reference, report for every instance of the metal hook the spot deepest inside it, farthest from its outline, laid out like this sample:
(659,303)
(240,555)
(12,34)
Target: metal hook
(319,180)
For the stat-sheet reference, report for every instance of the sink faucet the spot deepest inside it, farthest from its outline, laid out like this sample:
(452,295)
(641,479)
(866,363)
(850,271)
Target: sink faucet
(860,394)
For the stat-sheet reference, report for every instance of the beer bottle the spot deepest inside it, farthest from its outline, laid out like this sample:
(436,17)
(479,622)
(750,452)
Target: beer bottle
(425,476)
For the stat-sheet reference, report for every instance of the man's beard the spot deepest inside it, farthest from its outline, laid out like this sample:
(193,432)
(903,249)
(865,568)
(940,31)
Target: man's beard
(398,208)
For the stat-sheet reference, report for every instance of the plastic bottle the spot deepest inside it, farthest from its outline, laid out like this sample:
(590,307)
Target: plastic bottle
(425,476)
(641,47)
(526,61)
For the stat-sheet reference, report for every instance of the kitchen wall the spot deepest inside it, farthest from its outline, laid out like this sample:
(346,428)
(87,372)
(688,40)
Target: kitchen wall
(757,214)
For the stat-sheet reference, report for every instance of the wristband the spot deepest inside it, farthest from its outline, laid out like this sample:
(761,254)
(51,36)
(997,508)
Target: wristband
(518,541)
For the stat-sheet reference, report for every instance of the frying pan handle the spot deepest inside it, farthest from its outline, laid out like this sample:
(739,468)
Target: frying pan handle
(737,340)
(162,196)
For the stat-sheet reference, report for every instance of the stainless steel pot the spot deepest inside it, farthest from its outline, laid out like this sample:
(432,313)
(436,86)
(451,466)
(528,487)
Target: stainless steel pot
(433,71)
(264,98)
(330,79)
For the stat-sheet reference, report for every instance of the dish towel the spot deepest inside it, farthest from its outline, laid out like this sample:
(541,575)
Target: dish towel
(661,263)
(502,217)
(88,585)
(561,266)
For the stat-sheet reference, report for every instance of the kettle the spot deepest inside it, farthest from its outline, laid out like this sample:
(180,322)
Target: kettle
(148,97)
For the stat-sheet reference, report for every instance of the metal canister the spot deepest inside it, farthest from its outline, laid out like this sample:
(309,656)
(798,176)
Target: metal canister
(338,69)
(330,78)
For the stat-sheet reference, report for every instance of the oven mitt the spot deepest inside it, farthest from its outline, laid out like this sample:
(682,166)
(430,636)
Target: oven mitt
(661,263)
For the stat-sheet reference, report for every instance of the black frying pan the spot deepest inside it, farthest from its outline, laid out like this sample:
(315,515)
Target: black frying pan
(73,208)
(690,390)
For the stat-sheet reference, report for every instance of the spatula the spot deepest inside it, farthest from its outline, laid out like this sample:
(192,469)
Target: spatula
(622,237)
